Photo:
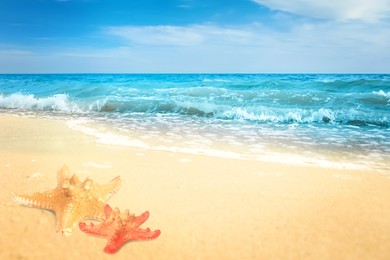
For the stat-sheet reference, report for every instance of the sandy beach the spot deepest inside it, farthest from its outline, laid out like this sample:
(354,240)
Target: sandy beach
(206,207)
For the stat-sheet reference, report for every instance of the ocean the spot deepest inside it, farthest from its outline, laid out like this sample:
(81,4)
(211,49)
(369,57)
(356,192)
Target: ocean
(334,121)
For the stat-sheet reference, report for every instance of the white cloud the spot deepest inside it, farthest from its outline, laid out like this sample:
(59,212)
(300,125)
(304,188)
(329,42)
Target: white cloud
(330,34)
(321,47)
(177,35)
(157,35)
(185,4)
(15,52)
(342,10)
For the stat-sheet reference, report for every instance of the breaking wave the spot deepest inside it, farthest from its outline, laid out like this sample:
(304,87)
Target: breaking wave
(58,102)
(241,111)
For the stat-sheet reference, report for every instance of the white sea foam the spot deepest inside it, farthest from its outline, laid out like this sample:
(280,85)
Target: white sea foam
(302,160)
(106,138)
(382,93)
(263,153)
(215,80)
(293,115)
(58,102)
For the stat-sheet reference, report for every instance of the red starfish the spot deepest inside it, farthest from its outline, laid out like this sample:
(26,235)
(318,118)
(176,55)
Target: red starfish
(119,228)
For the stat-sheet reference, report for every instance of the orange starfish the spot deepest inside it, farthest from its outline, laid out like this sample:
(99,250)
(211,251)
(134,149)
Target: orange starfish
(72,200)
(119,228)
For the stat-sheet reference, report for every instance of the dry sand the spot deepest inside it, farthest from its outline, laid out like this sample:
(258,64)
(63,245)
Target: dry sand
(205,207)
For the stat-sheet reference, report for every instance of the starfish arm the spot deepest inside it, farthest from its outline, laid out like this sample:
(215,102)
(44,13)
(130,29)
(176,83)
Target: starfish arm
(105,191)
(92,229)
(114,242)
(107,211)
(113,245)
(67,218)
(142,234)
(44,200)
(62,175)
(118,239)
(139,220)
(101,229)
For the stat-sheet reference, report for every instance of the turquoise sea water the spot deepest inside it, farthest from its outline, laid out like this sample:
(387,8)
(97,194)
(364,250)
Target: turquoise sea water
(338,121)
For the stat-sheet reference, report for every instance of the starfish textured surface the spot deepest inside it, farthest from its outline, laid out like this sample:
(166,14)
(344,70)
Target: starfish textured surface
(119,228)
(72,200)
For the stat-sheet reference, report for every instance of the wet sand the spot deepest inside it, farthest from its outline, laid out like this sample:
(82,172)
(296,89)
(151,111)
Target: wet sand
(205,207)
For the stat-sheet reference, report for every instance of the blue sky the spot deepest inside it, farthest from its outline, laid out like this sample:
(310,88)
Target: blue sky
(222,36)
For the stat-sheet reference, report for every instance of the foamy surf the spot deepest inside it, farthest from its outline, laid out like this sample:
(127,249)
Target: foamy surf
(56,102)
(104,136)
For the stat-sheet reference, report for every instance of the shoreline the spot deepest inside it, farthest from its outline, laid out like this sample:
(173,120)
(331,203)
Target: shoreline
(206,207)
(106,134)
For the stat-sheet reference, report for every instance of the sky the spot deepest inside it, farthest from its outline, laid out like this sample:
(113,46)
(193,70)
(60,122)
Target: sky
(194,36)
